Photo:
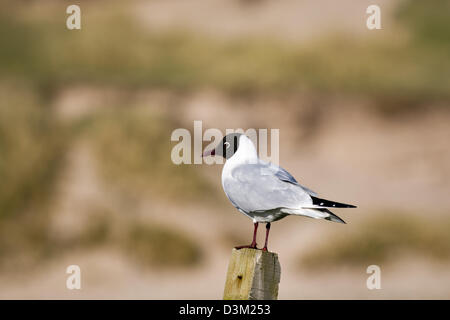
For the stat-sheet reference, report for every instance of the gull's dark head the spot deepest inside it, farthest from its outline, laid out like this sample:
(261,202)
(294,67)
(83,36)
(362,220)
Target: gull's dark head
(226,148)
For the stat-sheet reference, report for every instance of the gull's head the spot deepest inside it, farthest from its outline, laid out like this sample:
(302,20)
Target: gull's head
(227,147)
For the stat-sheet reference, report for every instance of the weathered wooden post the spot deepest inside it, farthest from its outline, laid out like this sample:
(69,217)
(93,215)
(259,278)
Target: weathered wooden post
(252,275)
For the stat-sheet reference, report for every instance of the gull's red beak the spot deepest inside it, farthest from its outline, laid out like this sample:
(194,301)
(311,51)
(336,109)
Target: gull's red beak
(209,153)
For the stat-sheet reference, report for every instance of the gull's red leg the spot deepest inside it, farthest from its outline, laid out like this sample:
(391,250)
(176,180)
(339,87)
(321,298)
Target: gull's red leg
(267,236)
(253,244)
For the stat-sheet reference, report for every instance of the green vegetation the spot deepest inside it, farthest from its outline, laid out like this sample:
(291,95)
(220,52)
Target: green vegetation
(428,22)
(159,246)
(382,238)
(121,53)
(39,56)
(30,151)
(133,148)
(32,147)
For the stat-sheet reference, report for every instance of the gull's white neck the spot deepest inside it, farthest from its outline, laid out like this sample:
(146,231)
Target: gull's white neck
(246,153)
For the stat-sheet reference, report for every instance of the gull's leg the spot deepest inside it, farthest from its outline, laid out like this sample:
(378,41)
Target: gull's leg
(267,236)
(253,244)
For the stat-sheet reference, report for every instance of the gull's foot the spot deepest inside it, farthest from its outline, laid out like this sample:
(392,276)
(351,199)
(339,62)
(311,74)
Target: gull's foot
(250,246)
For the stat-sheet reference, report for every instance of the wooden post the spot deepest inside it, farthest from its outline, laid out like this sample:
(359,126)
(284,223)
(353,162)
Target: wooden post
(252,275)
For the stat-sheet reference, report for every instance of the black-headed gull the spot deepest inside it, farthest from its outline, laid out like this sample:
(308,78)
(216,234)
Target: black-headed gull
(263,191)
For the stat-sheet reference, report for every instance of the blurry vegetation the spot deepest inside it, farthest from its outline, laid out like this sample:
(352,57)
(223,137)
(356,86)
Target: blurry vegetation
(122,53)
(32,147)
(159,246)
(150,244)
(382,238)
(428,21)
(28,240)
(38,56)
(134,149)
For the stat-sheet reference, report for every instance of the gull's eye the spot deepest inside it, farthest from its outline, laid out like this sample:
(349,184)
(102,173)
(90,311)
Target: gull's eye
(227,144)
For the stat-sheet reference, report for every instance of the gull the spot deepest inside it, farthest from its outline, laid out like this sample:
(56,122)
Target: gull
(263,191)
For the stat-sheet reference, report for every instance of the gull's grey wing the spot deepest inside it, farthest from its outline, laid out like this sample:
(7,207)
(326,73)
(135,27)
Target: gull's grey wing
(283,175)
(257,187)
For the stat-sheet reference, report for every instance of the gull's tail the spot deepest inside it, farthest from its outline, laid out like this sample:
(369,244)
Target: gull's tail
(321,213)
(332,216)
(318,209)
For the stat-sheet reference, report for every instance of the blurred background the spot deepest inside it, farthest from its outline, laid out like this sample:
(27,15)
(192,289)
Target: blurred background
(85,123)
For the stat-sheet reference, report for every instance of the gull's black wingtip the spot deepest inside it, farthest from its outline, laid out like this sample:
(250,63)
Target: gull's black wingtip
(330,204)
